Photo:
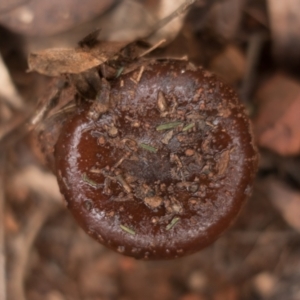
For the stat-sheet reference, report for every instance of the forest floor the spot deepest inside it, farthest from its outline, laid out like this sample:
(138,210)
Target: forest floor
(252,45)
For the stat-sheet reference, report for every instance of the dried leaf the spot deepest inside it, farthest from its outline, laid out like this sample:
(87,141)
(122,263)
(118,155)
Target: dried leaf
(54,62)
(278,119)
(286,201)
(230,64)
(284,136)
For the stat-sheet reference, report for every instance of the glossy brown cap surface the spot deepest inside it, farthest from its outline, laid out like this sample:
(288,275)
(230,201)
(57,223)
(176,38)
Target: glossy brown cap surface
(166,169)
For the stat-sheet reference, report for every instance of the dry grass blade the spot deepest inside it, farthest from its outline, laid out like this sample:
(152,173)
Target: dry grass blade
(152,48)
(253,54)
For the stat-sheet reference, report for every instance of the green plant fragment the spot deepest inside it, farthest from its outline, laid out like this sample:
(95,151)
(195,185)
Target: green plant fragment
(167,126)
(119,72)
(148,148)
(88,180)
(172,223)
(128,230)
(189,126)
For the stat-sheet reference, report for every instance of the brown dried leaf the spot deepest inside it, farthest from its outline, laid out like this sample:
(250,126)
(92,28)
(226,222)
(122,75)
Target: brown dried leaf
(54,62)
(284,136)
(286,201)
(278,119)
(230,64)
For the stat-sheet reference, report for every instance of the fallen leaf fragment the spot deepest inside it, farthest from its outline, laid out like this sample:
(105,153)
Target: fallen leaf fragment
(286,201)
(277,122)
(58,61)
(284,136)
(230,64)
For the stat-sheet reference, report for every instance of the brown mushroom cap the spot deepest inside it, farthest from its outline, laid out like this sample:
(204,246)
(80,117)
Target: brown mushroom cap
(166,169)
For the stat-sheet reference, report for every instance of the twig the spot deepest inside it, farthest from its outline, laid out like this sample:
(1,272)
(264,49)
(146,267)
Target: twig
(2,240)
(253,53)
(163,22)
(152,48)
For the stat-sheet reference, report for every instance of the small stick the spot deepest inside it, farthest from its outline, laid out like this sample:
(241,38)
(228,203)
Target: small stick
(140,73)
(152,48)
(124,184)
(180,10)
(253,53)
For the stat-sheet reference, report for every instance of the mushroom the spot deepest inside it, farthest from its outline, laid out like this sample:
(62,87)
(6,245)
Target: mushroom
(165,168)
